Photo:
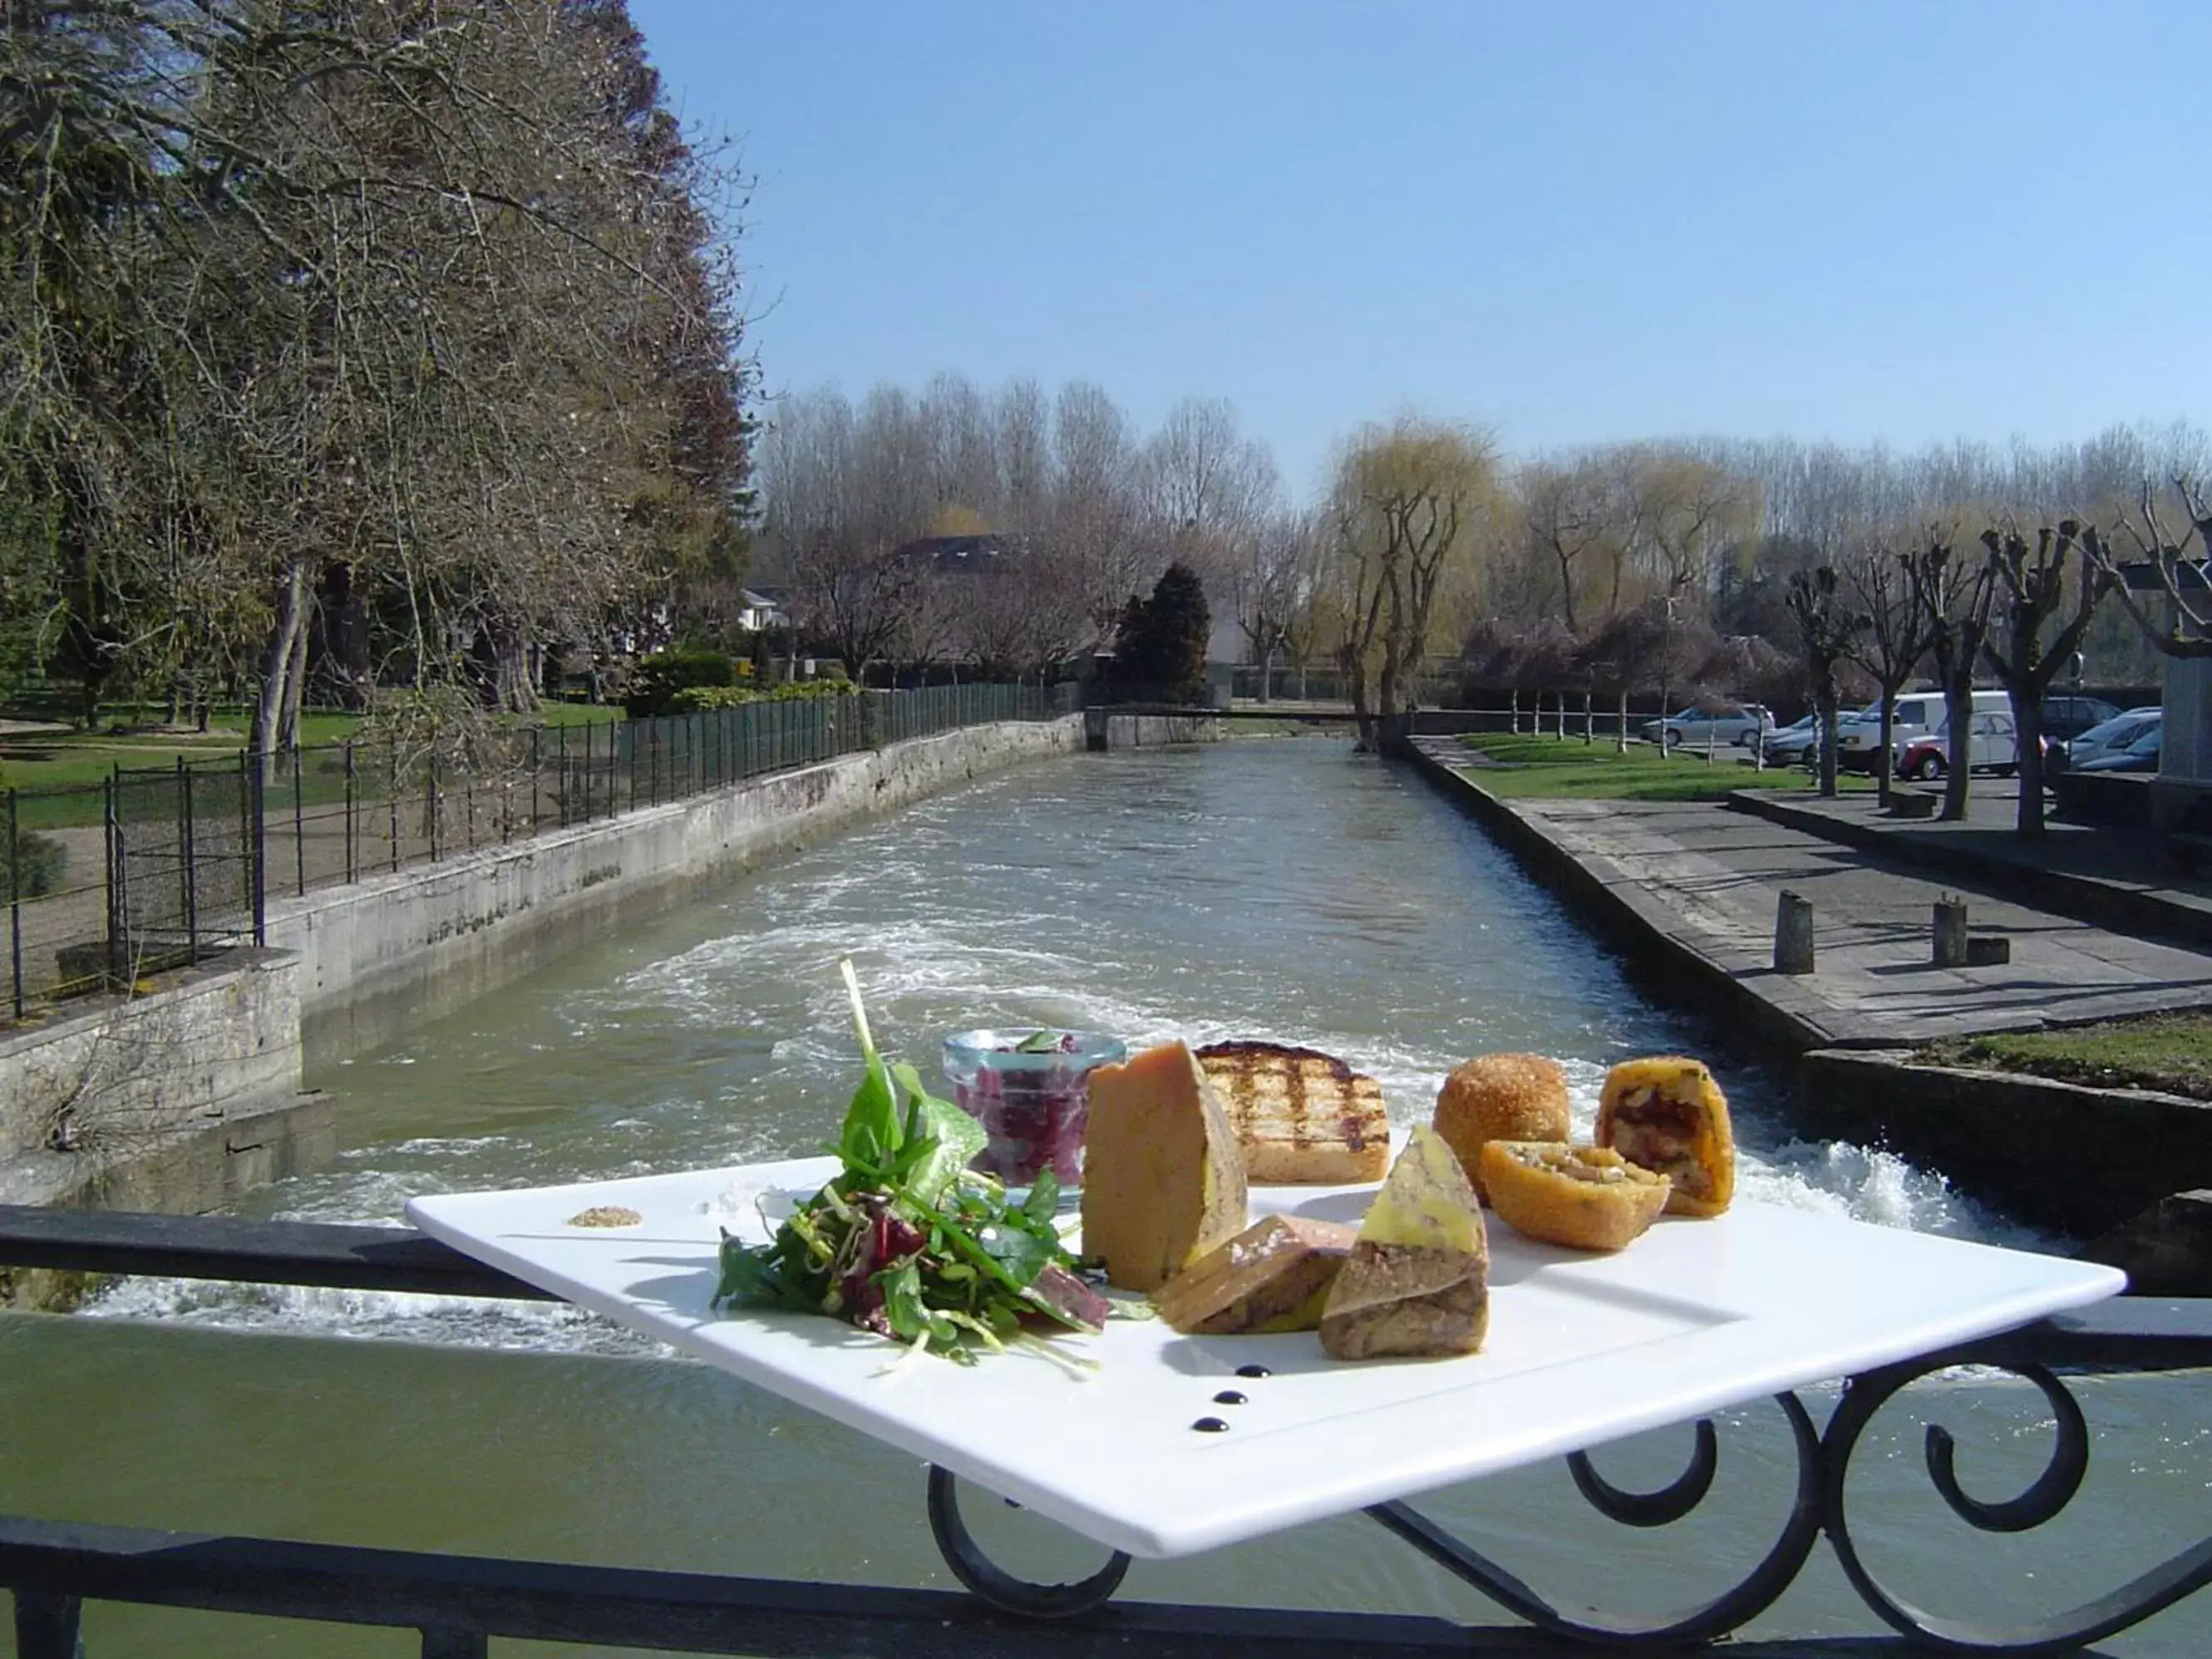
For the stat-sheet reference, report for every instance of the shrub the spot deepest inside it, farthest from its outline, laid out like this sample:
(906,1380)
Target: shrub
(1160,649)
(39,864)
(659,678)
(694,698)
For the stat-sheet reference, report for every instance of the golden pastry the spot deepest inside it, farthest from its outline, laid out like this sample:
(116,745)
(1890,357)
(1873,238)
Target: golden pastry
(1590,1197)
(1667,1114)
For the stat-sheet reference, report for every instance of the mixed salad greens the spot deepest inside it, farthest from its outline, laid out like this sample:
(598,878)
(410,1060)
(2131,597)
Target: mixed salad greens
(909,1242)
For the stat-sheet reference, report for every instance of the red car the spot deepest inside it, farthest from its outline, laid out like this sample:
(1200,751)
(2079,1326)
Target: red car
(1991,747)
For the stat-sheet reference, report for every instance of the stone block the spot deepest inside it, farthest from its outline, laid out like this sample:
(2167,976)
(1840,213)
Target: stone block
(1988,951)
(2165,1251)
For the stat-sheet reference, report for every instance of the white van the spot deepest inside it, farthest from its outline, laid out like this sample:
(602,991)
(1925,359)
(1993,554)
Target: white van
(1919,714)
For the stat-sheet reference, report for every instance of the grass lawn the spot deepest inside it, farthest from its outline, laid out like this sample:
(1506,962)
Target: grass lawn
(37,762)
(1532,765)
(2168,1052)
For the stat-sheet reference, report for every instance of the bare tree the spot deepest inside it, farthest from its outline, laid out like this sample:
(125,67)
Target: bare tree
(1020,614)
(1953,596)
(1828,629)
(1093,512)
(1564,507)
(2174,557)
(1206,487)
(1893,642)
(1275,583)
(2033,582)
(1024,448)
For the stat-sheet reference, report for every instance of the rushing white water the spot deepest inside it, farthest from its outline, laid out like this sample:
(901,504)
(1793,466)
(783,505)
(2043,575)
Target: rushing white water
(1280,889)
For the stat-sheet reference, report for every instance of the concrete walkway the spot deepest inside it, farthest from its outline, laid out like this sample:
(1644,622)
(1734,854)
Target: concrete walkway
(1704,882)
(2117,879)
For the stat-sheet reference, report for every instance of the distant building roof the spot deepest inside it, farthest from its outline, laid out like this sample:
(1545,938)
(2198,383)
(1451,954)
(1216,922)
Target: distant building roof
(961,553)
(2143,578)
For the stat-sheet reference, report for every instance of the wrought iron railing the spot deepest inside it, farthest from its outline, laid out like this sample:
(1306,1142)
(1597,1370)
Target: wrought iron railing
(459,1603)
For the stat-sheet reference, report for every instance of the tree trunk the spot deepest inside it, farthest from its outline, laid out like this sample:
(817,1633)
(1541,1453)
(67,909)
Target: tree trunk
(295,692)
(276,663)
(2028,737)
(1884,757)
(1387,731)
(1958,722)
(1825,702)
(1355,678)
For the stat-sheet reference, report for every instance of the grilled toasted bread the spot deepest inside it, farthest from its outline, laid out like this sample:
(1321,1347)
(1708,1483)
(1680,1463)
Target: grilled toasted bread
(1304,1118)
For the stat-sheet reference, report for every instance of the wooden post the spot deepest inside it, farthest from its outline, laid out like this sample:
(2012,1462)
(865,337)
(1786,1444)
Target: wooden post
(1589,732)
(1620,722)
(1793,934)
(1950,931)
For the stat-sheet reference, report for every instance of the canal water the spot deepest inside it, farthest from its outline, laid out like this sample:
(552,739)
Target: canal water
(1282,888)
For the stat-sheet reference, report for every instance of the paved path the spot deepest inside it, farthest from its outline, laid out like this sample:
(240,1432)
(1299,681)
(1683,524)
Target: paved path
(2119,878)
(1708,879)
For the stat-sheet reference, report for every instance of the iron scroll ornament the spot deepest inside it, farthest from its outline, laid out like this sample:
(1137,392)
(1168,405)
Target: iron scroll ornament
(992,1583)
(1823,1460)
(1733,1607)
(2149,1593)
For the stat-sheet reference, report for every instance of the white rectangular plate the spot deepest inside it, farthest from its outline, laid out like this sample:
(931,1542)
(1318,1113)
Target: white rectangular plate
(1696,1315)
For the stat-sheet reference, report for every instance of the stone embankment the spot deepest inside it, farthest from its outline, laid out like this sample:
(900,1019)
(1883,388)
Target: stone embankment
(1691,892)
(379,956)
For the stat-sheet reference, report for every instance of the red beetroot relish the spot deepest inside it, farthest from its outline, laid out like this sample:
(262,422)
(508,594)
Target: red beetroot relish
(1033,1101)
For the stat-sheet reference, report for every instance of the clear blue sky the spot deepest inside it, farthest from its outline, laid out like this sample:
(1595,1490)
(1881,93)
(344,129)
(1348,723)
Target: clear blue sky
(1570,222)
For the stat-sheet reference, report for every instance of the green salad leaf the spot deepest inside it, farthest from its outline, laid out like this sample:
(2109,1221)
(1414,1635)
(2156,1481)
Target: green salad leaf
(906,1240)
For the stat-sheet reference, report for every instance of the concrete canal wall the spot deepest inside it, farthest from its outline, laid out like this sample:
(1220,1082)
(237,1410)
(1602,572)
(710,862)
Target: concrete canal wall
(2080,1160)
(377,957)
(177,1099)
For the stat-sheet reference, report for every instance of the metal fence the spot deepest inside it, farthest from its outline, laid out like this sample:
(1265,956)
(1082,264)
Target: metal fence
(162,866)
(461,1604)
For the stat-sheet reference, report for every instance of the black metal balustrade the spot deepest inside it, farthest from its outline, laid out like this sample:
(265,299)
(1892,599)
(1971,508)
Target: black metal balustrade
(459,1603)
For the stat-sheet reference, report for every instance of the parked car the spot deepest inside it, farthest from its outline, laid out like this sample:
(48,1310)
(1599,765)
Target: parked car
(1738,724)
(1799,741)
(2140,755)
(2067,717)
(1791,742)
(2109,738)
(1919,714)
(1992,746)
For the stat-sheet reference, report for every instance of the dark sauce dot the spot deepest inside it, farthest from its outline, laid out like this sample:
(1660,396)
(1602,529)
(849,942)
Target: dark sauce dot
(1211,1426)
(1228,1397)
(1254,1370)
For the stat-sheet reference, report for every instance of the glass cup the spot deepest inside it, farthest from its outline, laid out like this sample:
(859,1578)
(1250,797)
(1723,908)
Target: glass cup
(1033,1103)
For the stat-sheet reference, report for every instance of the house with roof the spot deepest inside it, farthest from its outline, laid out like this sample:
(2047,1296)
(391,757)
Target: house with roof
(760,608)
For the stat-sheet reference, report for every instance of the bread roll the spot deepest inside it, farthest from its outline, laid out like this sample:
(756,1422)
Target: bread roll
(1501,1098)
